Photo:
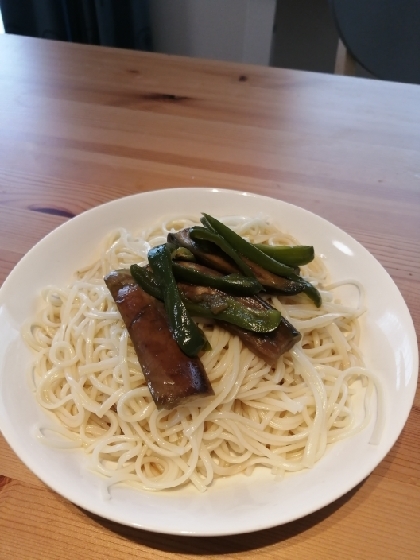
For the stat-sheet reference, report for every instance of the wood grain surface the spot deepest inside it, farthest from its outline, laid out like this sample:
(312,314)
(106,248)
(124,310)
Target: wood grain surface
(80,126)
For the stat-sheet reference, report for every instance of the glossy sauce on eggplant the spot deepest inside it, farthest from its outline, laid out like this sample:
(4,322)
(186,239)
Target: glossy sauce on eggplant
(173,378)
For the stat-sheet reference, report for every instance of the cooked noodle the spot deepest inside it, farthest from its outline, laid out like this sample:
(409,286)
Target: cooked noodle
(87,375)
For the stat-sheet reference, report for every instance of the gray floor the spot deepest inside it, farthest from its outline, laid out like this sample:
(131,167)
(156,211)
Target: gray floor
(305,37)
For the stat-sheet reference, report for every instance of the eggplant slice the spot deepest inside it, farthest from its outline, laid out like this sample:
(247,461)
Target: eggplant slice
(205,252)
(172,377)
(268,346)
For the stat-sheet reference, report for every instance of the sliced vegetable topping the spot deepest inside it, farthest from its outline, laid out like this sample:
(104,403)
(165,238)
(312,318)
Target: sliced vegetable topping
(205,234)
(213,304)
(253,253)
(311,292)
(239,269)
(298,255)
(172,377)
(145,279)
(248,250)
(182,254)
(186,333)
(203,276)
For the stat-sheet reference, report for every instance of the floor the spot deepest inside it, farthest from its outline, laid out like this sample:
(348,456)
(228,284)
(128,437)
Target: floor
(305,37)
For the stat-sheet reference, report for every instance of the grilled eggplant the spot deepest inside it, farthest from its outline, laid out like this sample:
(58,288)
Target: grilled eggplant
(206,253)
(172,377)
(267,345)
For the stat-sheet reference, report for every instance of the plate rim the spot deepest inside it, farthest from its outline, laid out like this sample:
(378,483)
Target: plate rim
(201,190)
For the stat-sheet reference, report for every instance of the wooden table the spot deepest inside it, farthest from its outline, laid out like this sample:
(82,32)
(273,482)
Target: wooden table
(80,126)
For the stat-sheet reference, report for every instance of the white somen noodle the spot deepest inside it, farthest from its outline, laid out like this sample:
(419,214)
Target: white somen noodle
(87,375)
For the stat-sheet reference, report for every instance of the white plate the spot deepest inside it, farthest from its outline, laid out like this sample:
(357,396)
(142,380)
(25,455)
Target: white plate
(240,504)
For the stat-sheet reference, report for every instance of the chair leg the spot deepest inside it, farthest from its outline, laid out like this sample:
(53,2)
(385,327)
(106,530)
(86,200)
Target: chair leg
(345,64)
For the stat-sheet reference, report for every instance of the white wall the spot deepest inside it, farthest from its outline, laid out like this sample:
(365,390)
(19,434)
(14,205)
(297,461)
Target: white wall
(236,30)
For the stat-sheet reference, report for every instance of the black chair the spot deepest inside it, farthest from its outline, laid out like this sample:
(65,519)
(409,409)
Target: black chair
(383,36)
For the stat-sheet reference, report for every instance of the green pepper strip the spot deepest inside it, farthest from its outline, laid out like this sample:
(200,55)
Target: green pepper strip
(248,250)
(311,292)
(182,254)
(231,311)
(257,256)
(145,279)
(298,255)
(232,283)
(199,233)
(263,321)
(186,333)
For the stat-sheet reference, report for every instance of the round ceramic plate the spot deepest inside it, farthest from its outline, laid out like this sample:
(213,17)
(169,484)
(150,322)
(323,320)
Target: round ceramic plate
(239,504)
